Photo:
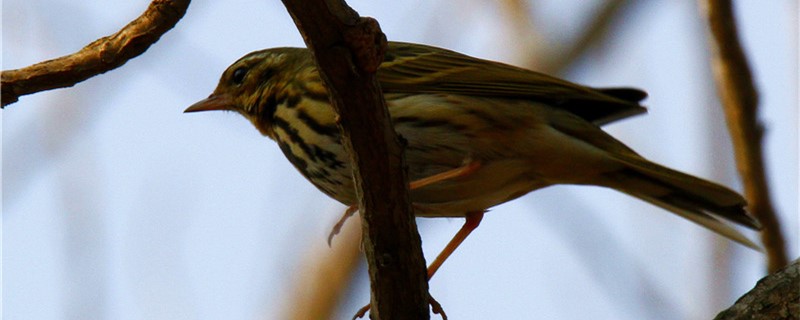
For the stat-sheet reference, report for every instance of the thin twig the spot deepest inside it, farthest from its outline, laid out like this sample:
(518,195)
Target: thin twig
(348,50)
(740,102)
(98,57)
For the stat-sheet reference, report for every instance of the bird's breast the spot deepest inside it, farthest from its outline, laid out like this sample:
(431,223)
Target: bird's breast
(307,135)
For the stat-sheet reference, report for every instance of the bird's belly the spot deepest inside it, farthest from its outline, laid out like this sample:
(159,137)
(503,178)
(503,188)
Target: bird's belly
(442,132)
(491,184)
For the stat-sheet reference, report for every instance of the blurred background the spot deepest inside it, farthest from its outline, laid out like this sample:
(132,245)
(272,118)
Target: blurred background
(116,205)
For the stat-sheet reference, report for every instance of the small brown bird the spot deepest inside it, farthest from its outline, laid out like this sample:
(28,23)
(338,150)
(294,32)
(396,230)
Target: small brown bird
(479,133)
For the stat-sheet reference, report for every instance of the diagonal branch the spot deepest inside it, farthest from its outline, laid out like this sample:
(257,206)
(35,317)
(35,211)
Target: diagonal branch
(348,50)
(596,31)
(556,59)
(98,57)
(325,275)
(774,297)
(740,102)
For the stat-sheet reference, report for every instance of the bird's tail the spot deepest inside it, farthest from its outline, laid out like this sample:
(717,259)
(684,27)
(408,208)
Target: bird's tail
(693,198)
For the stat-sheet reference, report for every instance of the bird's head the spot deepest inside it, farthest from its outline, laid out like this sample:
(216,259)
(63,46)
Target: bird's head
(256,84)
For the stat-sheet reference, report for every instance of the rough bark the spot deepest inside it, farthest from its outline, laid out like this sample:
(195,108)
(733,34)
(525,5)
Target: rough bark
(98,57)
(775,297)
(348,50)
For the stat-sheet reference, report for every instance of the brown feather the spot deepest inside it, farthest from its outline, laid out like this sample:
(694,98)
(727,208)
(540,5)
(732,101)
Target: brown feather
(415,69)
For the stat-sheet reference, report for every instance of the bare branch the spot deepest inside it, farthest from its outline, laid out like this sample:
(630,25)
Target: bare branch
(325,277)
(348,50)
(98,57)
(550,58)
(595,32)
(774,297)
(740,102)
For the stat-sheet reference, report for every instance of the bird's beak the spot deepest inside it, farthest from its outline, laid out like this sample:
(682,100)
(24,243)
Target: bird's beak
(213,102)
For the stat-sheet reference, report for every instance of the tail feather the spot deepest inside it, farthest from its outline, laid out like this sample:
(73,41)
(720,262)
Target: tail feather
(703,219)
(687,196)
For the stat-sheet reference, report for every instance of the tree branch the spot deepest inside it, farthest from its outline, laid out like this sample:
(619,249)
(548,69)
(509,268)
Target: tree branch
(775,297)
(555,59)
(594,33)
(740,102)
(348,50)
(325,273)
(98,57)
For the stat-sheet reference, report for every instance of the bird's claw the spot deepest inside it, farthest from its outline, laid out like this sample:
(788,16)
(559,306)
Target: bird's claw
(436,308)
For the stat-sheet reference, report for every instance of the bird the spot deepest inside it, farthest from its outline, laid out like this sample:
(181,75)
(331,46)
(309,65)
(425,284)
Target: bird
(478,133)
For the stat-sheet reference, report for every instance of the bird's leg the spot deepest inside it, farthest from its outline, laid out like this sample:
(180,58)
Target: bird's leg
(351,210)
(435,307)
(468,168)
(461,171)
(473,221)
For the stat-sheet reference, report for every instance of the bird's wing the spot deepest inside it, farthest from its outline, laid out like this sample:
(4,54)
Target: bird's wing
(423,69)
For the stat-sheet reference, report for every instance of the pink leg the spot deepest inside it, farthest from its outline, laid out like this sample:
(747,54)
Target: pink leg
(351,210)
(464,170)
(473,219)
(435,307)
(472,222)
(449,174)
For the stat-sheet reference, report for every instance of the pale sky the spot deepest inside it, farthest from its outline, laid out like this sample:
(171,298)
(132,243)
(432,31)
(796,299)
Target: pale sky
(116,205)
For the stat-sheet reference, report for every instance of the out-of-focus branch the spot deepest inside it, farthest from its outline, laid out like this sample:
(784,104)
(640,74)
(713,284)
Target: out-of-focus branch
(595,32)
(740,102)
(535,48)
(326,275)
(98,57)
(348,50)
(554,58)
(775,297)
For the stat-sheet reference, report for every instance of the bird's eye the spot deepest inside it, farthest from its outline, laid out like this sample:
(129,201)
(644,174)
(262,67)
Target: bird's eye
(238,75)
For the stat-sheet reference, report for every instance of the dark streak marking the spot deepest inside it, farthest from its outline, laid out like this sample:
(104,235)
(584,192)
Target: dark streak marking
(313,124)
